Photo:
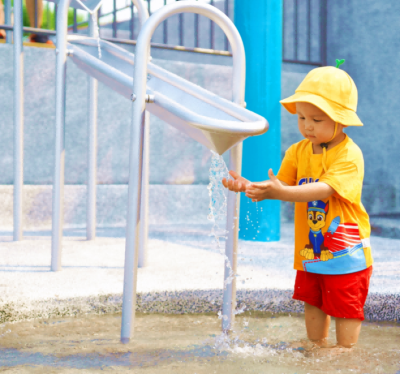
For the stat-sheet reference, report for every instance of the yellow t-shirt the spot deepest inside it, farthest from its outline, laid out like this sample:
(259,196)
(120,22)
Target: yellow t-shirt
(332,236)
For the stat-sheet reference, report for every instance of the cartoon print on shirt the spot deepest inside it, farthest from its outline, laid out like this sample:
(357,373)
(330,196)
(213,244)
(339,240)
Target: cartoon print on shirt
(316,219)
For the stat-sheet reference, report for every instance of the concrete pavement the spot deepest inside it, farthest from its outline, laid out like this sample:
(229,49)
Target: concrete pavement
(184,274)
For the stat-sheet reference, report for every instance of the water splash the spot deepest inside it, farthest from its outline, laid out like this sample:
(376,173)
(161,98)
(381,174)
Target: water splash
(218,198)
(234,344)
(240,310)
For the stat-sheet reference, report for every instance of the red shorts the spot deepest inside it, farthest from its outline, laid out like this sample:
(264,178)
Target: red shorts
(341,295)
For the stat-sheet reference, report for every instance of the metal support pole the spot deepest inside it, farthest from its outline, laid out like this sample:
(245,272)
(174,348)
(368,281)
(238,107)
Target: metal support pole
(181,29)
(296,30)
(114,22)
(36,23)
(47,16)
(196,31)
(18,119)
(133,221)
(308,30)
(7,19)
(75,22)
(323,31)
(144,206)
(143,229)
(132,23)
(137,141)
(165,26)
(227,13)
(231,246)
(212,30)
(55,15)
(92,144)
(58,182)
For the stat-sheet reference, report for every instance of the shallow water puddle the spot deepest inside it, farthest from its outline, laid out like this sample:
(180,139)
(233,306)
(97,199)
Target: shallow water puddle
(189,344)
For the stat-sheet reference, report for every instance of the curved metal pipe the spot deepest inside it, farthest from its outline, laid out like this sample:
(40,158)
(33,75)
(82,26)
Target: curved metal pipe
(142,11)
(137,135)
(238,52)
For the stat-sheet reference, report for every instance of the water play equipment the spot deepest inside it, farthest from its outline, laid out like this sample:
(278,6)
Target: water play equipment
(218,124)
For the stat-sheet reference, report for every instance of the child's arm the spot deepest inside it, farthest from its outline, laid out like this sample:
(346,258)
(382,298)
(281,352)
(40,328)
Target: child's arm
(274,189)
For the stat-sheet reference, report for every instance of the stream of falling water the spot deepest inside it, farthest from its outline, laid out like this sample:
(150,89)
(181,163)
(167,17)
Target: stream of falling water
(217,215)
(218,198)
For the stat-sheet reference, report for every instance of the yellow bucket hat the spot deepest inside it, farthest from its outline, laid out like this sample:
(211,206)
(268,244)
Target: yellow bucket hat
(330,89)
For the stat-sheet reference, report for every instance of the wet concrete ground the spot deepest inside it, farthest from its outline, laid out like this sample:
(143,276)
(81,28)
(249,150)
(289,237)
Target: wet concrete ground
(260,343)
(183,260)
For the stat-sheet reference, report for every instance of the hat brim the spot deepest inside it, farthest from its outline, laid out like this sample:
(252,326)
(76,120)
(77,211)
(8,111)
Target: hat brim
(335,111)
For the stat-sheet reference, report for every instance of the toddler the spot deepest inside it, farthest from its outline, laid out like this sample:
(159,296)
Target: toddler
(323,174)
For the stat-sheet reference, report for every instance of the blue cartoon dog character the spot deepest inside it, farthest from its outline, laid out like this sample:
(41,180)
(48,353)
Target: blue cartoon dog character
(316,219)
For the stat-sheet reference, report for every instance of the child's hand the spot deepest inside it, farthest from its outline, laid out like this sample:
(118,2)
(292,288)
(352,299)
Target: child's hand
(239,184)
(271,189)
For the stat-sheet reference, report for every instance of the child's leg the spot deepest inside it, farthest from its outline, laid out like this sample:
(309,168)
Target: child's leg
(317,324)
(347,331)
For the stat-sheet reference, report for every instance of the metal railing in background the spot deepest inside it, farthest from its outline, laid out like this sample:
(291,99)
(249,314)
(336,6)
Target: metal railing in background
(225,6)
(304,32)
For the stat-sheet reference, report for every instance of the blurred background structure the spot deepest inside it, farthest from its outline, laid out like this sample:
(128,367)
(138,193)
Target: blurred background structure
(315,33)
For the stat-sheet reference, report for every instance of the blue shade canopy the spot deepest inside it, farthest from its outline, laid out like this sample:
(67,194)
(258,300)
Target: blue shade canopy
(88,5)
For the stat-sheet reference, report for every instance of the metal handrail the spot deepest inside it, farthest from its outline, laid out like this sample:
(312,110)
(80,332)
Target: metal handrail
(207,51)
(172,47)
(301,62)
(31,30)
(112,12)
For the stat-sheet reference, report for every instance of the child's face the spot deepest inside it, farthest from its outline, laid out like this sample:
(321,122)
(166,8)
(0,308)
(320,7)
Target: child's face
(314,124)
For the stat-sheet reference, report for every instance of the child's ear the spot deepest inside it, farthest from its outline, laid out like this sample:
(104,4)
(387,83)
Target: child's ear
(326,208)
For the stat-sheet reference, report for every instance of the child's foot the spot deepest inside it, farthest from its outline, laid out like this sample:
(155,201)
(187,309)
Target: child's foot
(37,38)
(301,346)
(332,351)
